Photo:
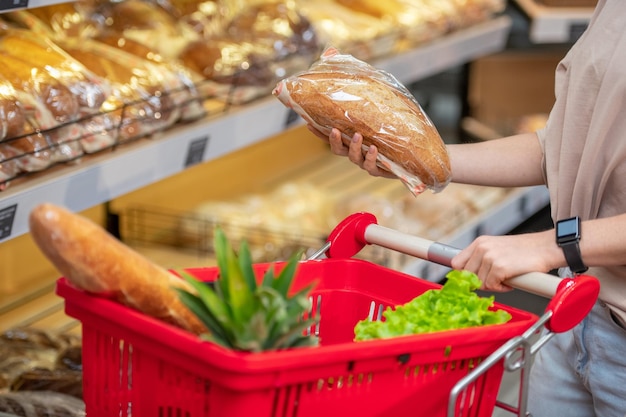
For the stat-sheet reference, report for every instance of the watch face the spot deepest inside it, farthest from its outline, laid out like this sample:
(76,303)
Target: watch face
(567,228)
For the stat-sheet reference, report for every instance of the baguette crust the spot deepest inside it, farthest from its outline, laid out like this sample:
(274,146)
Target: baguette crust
(95,261)
(386,118)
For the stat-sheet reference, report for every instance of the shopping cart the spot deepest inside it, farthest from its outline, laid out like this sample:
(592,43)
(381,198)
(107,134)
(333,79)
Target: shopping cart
(134,365)
(571,300)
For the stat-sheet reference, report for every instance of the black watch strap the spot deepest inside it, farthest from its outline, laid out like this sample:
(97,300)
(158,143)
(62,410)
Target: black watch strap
(571,250)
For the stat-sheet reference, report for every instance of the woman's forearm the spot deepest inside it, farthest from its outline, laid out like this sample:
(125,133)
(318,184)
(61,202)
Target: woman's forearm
(513,161)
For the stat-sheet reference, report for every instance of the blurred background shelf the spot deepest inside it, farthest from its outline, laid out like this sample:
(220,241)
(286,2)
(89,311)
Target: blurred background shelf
(556,24)
(102,177)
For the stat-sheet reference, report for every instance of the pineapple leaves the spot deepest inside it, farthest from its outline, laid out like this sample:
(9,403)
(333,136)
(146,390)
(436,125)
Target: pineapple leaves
(242,313)
(235,276)
(283,282)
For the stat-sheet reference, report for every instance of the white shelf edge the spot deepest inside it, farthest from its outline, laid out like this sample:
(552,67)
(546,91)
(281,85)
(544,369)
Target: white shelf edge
(509,213)
(449,51)
(553,24)
(108,175)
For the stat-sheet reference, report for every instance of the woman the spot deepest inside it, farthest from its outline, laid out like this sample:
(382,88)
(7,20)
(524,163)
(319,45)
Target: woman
(581,157)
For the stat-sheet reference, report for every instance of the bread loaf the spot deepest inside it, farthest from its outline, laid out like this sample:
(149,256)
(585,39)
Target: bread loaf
(342,92)
(12,117)
(95,261)
(41,54)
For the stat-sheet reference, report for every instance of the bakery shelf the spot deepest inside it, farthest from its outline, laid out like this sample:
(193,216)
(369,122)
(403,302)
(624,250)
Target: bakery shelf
(103,177)
(451,50)
(554,24)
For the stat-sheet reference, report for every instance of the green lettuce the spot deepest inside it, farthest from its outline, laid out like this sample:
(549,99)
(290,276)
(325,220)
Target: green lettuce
(455,305)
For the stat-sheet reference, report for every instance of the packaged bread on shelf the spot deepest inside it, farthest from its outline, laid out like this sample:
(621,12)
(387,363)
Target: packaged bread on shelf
(24,147)
(52,22)
(56,107)
(187,95)
(8,166)
(42,139)
(207,18)
(12,116)
(144,22)
(359,34)
(70,93)
(143,99)
(257,46)
(340,91)
(40,51)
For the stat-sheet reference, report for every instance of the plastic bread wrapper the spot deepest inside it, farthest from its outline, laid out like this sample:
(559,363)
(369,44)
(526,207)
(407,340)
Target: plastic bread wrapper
(333,62)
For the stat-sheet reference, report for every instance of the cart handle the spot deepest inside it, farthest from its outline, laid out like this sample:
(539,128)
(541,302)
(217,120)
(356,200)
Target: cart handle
(571,298)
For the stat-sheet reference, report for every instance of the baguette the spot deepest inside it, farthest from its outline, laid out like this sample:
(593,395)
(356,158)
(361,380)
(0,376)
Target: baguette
(95,261)
(345,93)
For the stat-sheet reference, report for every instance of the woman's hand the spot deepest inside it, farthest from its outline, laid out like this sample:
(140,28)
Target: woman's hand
(497,258)
(354,151)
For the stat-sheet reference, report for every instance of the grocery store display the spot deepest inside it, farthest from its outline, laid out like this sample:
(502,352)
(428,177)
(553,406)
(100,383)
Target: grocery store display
(95,261)
(242,312)
(161,63)
(340,91)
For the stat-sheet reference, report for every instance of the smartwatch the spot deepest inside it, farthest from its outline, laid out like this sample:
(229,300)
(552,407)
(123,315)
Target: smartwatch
(567,237)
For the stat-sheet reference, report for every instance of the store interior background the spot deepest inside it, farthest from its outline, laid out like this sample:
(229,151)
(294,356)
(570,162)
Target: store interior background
(449,98)
(517,80)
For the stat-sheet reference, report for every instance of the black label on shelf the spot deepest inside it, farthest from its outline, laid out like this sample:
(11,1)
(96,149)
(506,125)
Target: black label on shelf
(291,118)
(7,215)
(13,4)
(195,153)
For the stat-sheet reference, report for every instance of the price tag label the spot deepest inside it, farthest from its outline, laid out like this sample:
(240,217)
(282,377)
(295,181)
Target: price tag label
(195,153)
(13,4)
(7,215)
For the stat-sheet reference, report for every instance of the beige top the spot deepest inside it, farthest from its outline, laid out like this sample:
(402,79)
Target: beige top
(584,141)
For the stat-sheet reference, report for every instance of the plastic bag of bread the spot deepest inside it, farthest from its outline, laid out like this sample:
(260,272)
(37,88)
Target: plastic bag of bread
(8,166)
(70,94)
(145,22)
(335,25)
(346,93)
(43,54)
(186,92)
(27,146)
(143,99)
(56,106)
(260,42)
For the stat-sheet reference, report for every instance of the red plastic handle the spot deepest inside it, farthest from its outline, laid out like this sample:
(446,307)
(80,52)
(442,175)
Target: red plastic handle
(348,237)
(573,300)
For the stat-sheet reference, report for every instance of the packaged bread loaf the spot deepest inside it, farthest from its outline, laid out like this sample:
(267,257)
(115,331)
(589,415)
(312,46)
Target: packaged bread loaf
(186,93)
(43,54)
(143,99)
(56,106)
(26,144)
(71,94)
(340,91)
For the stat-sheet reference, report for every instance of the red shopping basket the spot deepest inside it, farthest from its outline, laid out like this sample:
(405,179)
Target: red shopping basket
(139,366)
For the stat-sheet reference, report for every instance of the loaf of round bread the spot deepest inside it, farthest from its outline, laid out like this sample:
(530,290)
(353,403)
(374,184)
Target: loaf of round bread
(342,92)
